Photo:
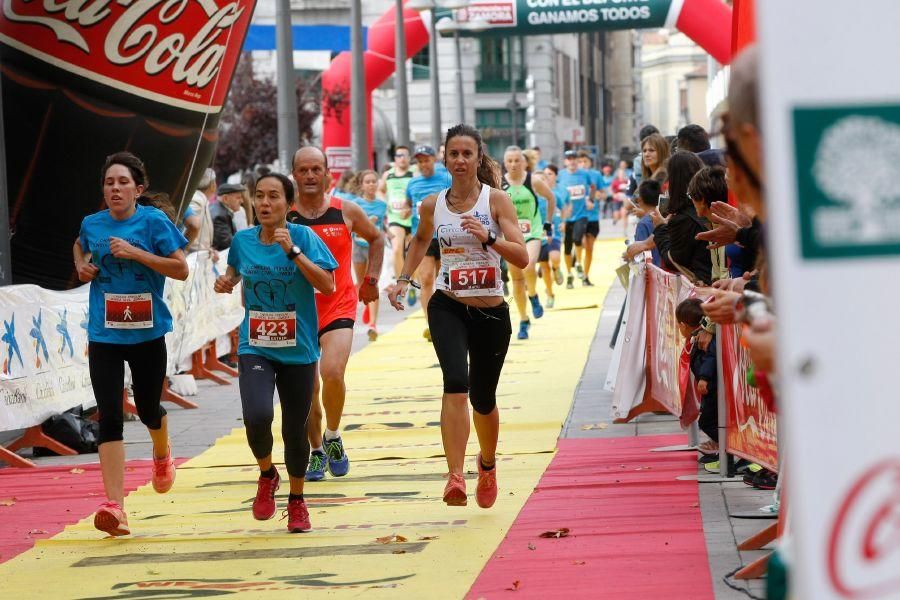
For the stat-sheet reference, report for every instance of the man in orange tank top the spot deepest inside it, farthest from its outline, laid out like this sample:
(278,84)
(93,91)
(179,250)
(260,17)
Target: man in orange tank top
(333,221)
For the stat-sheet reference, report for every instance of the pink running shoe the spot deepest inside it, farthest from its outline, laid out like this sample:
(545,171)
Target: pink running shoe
(264,504)
(111,519)
(486,492)
(163,473)
(297,516)
(455,490)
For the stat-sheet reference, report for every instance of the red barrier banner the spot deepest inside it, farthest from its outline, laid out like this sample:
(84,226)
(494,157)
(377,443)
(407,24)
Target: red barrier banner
(664,341)
(750,430)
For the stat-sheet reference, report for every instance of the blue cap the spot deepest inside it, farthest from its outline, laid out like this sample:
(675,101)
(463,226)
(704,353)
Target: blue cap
(424,149)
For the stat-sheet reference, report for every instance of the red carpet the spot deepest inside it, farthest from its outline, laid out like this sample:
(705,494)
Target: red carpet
(39,503)
(635,532)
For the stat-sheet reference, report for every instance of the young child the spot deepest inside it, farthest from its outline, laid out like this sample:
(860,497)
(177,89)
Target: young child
(708,185)
(703,365)
(646,201)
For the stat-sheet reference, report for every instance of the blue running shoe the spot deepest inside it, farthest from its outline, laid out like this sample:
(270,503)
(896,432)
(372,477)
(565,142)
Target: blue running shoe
(316,469)
(536,309)
(523,329)
(338,463)
(411,296)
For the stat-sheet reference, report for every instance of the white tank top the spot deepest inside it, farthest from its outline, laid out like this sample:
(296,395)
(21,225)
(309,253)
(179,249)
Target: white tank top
(468,268)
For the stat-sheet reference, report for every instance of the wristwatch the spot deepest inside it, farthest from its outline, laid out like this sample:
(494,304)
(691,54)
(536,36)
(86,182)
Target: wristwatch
(294,253)
(370,280)
(492,237)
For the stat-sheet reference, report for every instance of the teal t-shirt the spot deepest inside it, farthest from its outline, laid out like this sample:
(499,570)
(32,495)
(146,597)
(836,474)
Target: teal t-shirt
(280,319)
(376,211)
(421,187)
(126,304)
(578,185)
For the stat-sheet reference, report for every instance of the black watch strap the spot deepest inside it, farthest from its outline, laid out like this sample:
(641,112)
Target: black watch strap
(294,253)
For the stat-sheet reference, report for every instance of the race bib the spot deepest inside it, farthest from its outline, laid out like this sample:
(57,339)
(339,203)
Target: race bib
(272,329)
(129,311)
(472,279)
(398,205)
(525,226)
(577,192)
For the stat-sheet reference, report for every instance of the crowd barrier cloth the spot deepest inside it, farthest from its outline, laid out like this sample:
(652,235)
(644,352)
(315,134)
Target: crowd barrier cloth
(44,342)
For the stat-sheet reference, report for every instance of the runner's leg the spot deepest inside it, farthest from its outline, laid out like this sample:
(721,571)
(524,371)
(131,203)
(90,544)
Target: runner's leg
(518,280)
(257,383)
(295,390)
(489,332)
(588,254)
(398,247)
(534,250)
(148,372)
(107,368)
(336,346)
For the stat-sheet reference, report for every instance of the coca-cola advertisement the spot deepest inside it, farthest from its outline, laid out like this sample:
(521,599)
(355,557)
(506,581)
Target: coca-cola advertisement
(84,79)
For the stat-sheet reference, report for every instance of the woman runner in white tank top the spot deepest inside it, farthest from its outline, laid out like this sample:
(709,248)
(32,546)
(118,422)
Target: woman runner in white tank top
(476,226)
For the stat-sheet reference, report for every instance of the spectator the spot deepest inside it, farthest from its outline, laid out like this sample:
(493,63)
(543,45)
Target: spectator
(541,164)
(689,315)
(675,234)
(646,203)
(706,187)
(197,220)
(228,215)
(693,138)
(637,170)
(654,155)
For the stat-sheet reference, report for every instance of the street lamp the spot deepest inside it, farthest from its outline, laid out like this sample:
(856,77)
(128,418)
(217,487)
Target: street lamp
(447,26)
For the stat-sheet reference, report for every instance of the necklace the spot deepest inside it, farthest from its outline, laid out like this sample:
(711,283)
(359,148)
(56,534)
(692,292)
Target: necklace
(465,199)
(316,213)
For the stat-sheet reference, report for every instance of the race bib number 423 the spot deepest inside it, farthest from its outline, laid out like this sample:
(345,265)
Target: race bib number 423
(272,329)
(129,311)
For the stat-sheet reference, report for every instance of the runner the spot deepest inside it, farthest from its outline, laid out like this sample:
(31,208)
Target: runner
(549,259)
(468,316)
(334,221)
(580,188)
(600,195)
(429,181)
(392,188)
(524,191)
(366,185)
(281,265)
(126,252)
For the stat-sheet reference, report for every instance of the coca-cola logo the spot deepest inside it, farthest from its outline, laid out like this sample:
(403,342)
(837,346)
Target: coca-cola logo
(174,47)
(864,545)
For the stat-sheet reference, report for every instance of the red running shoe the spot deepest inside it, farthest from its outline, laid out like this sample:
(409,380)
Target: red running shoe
(486,492)
(264,504)
(455,490)
(111,519)
(367,315)
(297,516)
(163,473)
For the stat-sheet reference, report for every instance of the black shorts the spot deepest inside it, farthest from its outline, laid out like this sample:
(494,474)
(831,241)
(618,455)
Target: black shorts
(406,227)
(593,229)
(575,231)
(434,249)
(336,324)
(546,249)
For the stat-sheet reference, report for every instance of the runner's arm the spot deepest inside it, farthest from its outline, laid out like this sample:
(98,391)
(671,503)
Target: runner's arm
(364,228)
(544,190)
(86,270)
(512,246)
(317,277)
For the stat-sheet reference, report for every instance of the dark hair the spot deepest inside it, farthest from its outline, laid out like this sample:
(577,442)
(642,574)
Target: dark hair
(286,184)
(708,185)
(131,162)
(649,191)
(159,200)
(647,130)
(553,168)
(488,171)
(693,138)
(346,183)
(682,167)
(401,147)
(689,312)
(538,148)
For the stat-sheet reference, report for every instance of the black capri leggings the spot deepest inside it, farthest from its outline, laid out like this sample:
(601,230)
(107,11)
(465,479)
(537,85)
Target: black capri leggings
(574,235)
(147,361)
(458,332)
(258,379)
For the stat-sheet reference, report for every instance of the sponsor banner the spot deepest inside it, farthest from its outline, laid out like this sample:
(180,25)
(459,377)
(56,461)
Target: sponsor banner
(750,425)
(664,292)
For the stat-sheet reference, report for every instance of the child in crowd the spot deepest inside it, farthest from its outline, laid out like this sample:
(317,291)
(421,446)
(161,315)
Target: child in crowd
(703,364)
(646,201)
(708,185)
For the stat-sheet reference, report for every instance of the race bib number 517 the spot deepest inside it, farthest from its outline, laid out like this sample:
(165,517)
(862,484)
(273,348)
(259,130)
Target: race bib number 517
(472,281)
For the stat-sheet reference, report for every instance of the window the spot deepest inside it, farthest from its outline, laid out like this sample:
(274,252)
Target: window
(495,126)
(493,74)
(420,64)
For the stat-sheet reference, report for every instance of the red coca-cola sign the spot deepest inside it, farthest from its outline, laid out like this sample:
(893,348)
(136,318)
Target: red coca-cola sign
(180,52)
(864,545)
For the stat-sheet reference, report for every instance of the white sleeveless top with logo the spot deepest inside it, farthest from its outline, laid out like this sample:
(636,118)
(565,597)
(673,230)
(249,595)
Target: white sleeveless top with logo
(468,268)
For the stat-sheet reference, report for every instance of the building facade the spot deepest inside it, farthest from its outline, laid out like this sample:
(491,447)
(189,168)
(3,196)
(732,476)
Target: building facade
(673,81)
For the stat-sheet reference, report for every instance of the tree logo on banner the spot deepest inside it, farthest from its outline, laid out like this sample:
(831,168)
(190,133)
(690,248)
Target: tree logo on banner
(849,200)
(12,346)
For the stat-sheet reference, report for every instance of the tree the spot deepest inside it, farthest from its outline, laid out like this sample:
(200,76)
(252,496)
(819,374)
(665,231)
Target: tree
(248,128)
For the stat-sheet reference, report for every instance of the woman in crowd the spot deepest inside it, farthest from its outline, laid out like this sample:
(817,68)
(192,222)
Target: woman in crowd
(654,154)
(467,314)
(281,265)
(366,186)
(675,232)
(126,252)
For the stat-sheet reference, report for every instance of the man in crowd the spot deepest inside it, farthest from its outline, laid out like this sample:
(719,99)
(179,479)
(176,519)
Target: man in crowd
(228,215)
(693,138)
(197,219)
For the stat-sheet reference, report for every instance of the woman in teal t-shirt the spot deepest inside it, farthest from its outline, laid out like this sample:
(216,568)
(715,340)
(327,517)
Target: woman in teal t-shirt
(126,252)
(282,266)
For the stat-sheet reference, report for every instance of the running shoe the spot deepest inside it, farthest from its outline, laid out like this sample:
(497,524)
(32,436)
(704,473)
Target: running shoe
(570,282)
(297,516)
(536,309)
(338,462)
(707,458)
(523,330)
(367,314)
(455,490)
(551,300)
(764,480)
(427,334)
(264,503)
(558,276)
(317,464)
(111,519)
(580,271)
(163,473)
(486,492)
(587,283)
(373,334)
(712,467)
(411,296)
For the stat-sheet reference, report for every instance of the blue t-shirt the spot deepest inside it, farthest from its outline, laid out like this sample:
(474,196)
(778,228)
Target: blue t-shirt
(643,231)
(272,283)
(600,183)
(377,209)
(420,187)
(557,220)
(126,299)
(578,184)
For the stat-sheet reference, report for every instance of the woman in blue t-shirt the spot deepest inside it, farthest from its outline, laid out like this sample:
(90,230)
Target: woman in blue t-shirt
(282,266)
(126,252)
(376,211)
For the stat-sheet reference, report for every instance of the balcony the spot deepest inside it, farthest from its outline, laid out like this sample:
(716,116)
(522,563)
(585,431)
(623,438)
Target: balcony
(491,79)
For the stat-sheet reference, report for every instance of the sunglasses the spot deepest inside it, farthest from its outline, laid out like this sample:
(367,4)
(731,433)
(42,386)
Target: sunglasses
(401,155)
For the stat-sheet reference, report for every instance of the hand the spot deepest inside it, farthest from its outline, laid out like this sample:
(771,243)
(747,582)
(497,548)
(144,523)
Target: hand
(702,387)
(283,238)
(368,293)
(704,338)
(86,271)
(761,344)
(121,249)
(214,255)
(657,218)
(395,294)
(589,204)
(474,227)
(633,250)
(722,308)
(224,284)
(729,212)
